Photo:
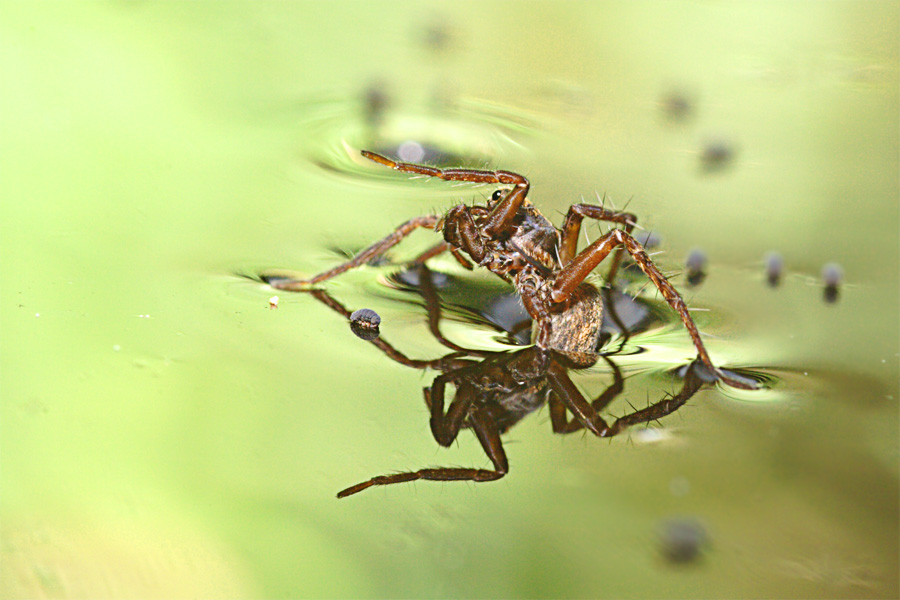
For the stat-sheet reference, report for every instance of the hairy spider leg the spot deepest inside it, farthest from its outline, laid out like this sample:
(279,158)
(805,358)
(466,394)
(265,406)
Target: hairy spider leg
(502,214)
(460,230)
(568,247)
(578,269)
(373,251)
(666,406)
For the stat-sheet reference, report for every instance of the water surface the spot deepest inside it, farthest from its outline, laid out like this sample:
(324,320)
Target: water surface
(166,433)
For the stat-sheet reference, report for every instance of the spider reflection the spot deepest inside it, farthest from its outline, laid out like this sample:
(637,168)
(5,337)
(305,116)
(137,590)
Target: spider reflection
(495,390)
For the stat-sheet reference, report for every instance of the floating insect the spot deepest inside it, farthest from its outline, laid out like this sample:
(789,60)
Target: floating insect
(364,323)
(774,268)
(832,276)
(695,265)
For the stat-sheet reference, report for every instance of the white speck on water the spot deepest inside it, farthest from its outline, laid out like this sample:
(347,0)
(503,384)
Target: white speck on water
(116,347)
(37,314)
(651,435)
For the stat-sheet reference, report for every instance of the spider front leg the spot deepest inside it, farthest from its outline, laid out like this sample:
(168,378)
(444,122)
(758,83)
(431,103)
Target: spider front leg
(501,215)
(373,251)
(575,272)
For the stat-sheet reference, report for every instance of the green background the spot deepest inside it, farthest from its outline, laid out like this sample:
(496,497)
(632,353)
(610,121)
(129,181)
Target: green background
(165,434)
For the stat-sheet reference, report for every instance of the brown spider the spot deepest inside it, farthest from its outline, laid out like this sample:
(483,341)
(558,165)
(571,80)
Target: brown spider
(512,239)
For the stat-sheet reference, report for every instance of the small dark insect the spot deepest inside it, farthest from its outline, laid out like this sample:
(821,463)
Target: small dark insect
(832,277)
(677,105)
(364,323)
(774,268)
(682,539)
(717,154)
(649,240)
(696,267)
(375,103)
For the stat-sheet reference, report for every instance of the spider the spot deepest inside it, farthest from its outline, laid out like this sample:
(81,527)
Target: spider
(511,238)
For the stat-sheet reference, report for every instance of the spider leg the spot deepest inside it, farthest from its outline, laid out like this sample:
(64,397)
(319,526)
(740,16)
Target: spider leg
(666,406)
(376,249)
(445,427)
(566,396)
(503,212)
(433,306)
(572,226)
(488,435)
(461,232)
(440,249)
(580,266)
(430,253)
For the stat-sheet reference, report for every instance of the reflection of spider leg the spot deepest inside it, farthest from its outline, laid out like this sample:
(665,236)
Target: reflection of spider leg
(433,305)
(566,396)
(440,249)
(558,418)
(580,267)
(666,406)
(489,436)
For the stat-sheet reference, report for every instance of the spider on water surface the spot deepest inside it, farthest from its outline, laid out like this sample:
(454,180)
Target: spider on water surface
(511,238)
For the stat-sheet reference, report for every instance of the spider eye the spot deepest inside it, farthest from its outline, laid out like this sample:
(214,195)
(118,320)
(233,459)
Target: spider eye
(497,195)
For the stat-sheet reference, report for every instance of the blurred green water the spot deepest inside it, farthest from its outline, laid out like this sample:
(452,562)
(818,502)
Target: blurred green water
(165,434)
